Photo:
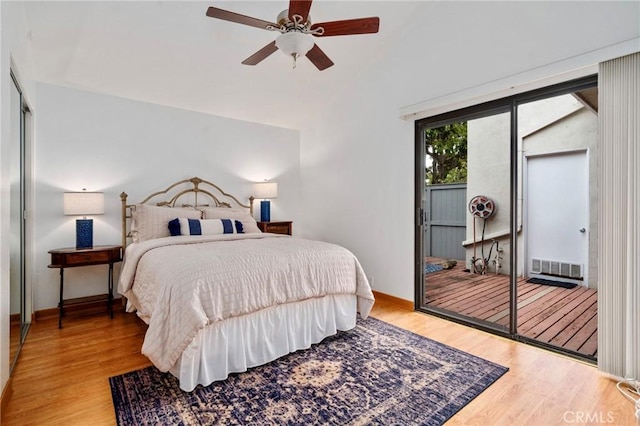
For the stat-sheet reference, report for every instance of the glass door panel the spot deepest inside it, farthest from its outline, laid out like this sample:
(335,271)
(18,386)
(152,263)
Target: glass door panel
(558,246)
(466,203)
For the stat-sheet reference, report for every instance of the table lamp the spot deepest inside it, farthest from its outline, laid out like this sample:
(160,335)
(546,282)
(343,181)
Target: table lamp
(82,204)
(266,191)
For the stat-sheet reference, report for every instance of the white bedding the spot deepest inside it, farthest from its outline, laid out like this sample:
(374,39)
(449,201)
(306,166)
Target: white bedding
(183,285)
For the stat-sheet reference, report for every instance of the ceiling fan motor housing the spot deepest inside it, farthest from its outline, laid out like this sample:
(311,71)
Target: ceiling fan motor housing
(283,19)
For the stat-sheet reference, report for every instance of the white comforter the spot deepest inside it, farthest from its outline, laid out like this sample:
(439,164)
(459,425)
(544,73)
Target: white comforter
(179,285)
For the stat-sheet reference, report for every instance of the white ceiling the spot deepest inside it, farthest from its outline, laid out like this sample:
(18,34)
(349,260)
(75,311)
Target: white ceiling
(171,53)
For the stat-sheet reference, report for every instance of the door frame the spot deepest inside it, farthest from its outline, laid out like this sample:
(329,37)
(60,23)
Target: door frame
(510,104)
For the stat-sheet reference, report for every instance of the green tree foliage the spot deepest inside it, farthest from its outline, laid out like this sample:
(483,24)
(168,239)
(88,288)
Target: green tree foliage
(447,148)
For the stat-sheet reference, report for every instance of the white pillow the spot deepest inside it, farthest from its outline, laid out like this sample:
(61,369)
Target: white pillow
(248,222)
(149,222)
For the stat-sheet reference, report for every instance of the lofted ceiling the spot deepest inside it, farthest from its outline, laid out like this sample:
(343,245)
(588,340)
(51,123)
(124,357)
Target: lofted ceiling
(170,53)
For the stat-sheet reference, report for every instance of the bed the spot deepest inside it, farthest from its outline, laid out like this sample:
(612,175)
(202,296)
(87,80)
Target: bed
(218,295)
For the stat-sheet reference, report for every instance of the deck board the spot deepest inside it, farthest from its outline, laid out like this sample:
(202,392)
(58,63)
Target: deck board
(553,318)
(570,326)
(562,317)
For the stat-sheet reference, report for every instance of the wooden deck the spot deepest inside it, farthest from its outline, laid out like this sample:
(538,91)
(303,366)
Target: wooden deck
(562,317)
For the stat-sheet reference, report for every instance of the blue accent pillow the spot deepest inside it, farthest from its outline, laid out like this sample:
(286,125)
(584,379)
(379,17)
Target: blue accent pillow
(174,227)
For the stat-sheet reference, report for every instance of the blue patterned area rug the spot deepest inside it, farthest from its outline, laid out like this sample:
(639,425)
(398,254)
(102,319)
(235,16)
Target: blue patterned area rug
(374,374)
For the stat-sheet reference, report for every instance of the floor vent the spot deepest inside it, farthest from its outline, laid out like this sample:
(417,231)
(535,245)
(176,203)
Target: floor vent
(557,268)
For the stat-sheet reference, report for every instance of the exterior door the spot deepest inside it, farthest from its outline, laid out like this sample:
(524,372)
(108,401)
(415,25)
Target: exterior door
(557,214)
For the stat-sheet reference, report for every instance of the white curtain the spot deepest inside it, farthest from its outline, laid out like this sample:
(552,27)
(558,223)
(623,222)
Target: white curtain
(619,217)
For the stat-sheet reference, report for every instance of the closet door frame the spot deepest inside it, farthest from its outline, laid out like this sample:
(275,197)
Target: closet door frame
(26,207)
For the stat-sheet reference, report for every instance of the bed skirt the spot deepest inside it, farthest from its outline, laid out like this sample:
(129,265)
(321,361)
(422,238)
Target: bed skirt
(239,343)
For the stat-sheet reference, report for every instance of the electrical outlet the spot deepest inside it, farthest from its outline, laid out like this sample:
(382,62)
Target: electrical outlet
(370,279)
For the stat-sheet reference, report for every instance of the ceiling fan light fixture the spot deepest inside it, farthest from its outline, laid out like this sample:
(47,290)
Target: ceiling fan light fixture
(294,43)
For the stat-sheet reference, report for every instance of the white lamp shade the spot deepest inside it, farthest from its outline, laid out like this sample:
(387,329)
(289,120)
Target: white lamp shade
(294,43)
(83,203)
(266,190)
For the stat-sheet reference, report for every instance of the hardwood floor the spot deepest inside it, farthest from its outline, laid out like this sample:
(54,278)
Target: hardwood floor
(62,375)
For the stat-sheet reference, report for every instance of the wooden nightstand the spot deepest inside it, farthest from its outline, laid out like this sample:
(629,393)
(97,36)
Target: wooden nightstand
(71,258)
(280,227)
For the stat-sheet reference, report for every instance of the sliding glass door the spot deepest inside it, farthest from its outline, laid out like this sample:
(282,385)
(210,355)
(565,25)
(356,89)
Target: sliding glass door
(464,202)
(506,216)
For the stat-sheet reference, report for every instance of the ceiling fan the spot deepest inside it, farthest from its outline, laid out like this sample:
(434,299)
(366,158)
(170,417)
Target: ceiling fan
(296,30)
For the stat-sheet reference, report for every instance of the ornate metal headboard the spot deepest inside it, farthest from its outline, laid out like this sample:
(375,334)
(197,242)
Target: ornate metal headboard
(195,191)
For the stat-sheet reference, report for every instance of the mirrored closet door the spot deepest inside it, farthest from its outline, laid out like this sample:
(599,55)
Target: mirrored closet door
(20,306)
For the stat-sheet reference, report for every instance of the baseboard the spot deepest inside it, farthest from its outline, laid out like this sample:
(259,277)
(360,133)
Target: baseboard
(403,303)
(7,392)
(88,308)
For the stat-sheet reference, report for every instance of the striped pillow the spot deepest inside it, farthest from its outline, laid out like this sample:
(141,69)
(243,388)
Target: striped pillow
(186,226)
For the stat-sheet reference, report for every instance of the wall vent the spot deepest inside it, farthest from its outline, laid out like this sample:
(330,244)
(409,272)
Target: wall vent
(557,268)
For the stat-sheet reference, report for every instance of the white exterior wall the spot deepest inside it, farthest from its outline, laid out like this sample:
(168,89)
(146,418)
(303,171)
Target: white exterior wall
(552,125)
(488,164)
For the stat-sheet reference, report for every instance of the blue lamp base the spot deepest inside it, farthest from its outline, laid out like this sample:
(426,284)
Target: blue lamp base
(265,211)
(84,233)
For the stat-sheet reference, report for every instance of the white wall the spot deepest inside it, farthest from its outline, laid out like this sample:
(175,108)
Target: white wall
(357,158)
(357,174)
(109,144)
(14,47)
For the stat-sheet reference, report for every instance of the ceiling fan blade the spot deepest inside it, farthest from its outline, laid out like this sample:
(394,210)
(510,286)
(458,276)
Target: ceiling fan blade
(225,15)
(319,58)
(348,27)
(261,54)
(299,7)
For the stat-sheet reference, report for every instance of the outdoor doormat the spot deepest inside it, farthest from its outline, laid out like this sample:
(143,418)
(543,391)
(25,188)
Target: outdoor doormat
(551,282)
